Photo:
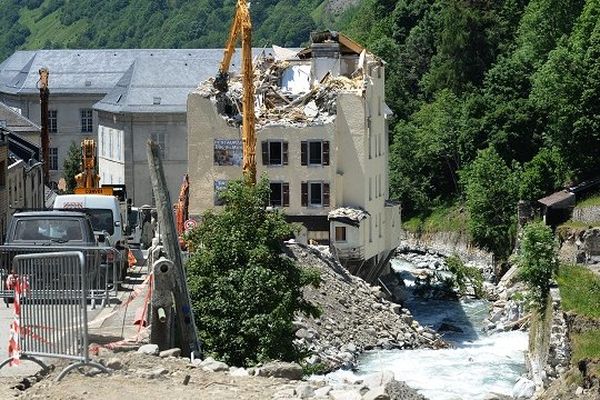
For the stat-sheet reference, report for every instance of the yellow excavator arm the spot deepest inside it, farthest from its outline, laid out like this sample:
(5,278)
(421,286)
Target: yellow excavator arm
(242,26)
(88,178)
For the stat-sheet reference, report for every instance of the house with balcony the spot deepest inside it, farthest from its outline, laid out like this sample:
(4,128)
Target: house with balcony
(322,140)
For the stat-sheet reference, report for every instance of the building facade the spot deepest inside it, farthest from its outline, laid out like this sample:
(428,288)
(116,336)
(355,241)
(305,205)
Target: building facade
(118,97)
(328,171)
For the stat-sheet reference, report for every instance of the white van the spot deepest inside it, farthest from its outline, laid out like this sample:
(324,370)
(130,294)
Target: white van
(104,213)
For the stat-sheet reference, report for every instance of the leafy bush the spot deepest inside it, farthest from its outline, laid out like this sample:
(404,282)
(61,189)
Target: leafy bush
(537,260)
(72,166)
(244,289)
(465,276)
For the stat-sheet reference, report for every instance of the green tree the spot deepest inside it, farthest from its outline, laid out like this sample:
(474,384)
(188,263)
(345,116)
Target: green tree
(542,175)
(537,260)
(491,191)
(72,166)
(244,289)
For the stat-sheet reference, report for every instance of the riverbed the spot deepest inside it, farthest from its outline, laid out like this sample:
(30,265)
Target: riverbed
(477,364)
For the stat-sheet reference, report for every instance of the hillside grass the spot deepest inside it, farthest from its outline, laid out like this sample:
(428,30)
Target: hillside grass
(580,290)
(591,201)
(48,29)
(585,345)
(446,218)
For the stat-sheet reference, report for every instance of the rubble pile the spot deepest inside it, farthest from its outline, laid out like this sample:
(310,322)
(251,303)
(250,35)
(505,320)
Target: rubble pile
(275,105)
(356,317)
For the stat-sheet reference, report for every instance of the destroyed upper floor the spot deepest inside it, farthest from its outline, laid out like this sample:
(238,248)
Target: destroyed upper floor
(299,88)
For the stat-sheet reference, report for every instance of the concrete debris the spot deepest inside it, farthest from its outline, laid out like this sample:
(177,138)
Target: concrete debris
(285,93)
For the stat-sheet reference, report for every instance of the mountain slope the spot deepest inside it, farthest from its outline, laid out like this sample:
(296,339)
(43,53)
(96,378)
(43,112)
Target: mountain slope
(33,24)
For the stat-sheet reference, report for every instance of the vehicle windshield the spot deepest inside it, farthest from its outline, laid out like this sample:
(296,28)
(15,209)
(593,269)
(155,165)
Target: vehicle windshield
(61,230)
(101,219)
(132,218)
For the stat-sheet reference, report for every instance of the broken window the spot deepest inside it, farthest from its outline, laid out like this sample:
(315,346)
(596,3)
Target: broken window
(315,194)
(340,233)
(314,152)
(274,152)
(280,194)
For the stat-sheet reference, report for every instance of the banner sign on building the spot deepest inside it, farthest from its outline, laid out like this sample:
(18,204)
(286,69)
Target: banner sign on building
(228,152)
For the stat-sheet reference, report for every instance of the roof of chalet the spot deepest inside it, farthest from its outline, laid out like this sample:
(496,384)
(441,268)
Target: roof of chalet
(126,80)
(16,122)
(561,199)
(347,215)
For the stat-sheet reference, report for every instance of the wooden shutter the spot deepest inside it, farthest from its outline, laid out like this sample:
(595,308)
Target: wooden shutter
(284,147)
(303,152)
(304,194)
(326,195)
(285,189)
(325,152)
(265,152)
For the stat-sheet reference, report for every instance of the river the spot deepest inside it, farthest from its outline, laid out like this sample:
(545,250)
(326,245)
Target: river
(477,364)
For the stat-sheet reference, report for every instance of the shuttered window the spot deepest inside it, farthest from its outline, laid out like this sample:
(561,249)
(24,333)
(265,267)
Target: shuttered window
(314,152)
(315,194)
(280,194)
(274,152)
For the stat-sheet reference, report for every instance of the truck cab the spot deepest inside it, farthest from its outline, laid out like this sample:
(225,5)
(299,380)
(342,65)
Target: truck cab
(56,228)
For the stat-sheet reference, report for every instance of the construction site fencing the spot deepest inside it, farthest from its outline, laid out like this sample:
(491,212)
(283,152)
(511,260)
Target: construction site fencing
(51,300)
(102,266)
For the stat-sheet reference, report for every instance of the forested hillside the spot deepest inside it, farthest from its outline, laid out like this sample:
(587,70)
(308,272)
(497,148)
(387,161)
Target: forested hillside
(157,23)
(496,101)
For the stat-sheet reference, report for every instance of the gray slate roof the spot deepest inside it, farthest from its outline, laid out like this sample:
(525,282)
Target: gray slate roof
(15,121)
(132,80)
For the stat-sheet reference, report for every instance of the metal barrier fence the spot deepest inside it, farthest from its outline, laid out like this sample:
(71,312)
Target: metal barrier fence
(51,309)
(102,266)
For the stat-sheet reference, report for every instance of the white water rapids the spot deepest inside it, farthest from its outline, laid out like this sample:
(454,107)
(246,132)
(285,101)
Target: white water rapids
(477,365)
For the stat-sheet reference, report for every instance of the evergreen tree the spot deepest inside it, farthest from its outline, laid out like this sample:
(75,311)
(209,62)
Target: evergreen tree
(72,166)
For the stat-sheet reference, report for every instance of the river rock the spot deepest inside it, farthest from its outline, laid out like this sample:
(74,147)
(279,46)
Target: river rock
(401,391)
(523,389)
(212,365)
(377,379)
(233,371)
(174,352)
(322,391)
(341,394)
(305,391)
(376,393)
(151,349)
(279,369)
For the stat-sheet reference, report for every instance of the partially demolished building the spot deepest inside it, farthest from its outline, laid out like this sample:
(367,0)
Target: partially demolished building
(322,139)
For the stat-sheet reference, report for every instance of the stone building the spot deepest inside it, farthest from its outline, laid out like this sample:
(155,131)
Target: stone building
(119,97)
(322,139)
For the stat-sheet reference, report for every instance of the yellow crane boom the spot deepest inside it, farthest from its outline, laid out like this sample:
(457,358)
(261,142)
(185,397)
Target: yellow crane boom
(242,26)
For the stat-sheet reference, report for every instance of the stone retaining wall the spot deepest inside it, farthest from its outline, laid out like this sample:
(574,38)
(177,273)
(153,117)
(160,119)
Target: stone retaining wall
(589,215)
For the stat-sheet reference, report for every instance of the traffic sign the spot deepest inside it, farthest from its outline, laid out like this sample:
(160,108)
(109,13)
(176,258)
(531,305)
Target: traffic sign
(190,224)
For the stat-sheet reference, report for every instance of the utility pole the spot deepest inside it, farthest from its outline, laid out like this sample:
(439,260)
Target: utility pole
(45,139)
(164,208)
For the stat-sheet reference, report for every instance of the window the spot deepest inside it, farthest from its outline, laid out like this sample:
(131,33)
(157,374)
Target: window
(314,152)
(315,194)
(370,137)
(370,188)
(52,121)
(87,124)
(274,152)
(280,194)
(53,159)
(370,230)
(340,233)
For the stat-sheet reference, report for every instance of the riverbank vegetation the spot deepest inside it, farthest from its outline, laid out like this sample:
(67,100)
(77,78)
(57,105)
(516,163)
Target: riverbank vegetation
(580,290)
(494,102)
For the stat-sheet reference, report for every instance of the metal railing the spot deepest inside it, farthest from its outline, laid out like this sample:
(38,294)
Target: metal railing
(102,266)
(51,296)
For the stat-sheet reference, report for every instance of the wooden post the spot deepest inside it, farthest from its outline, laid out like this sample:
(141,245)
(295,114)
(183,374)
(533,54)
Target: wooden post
(164,207)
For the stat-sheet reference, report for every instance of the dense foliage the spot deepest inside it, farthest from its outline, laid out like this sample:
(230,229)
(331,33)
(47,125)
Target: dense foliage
(538,261)
(72,166)
(465,276)
(153,23)
(244,289)
(517,79)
